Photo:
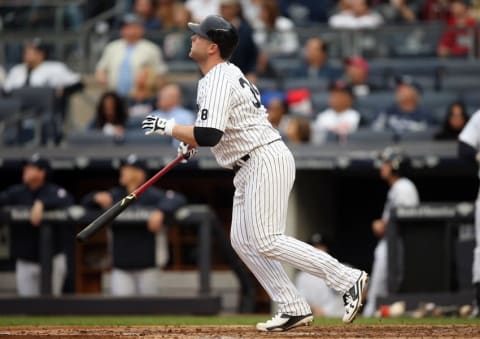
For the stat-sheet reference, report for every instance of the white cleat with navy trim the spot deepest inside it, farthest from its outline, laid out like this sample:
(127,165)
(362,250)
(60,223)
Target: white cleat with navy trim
(354,297)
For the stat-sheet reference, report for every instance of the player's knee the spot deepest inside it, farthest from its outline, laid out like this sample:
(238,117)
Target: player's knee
(268,248)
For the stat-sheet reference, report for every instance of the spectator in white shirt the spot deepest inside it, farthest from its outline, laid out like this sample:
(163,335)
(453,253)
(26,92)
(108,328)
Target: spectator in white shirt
(358,16)
(274,35)
(124,58)
(200,9)
(340,118)
(36,71)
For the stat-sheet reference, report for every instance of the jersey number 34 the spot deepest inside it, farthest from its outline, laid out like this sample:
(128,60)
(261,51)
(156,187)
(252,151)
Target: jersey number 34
(244,82)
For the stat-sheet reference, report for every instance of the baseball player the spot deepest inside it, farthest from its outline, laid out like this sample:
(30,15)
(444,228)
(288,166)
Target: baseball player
(233,122)
(402,192)
(468,148)
(136,271)
(37,192)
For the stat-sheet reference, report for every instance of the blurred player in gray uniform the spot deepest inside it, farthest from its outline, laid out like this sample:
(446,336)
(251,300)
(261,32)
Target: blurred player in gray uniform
(468,148)
(233,122)
(402,192)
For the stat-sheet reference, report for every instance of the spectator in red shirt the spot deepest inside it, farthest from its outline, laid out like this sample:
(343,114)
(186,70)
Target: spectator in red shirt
(457,40)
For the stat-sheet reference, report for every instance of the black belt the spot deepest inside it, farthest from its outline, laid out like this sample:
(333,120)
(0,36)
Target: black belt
(240,162)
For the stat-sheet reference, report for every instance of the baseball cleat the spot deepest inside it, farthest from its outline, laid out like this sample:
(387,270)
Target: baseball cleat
(284,322)
(354,297)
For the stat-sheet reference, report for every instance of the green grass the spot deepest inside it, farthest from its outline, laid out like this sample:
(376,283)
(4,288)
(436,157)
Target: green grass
(197,320)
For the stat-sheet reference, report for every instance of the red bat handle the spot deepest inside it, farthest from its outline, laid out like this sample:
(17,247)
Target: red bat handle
(158,175)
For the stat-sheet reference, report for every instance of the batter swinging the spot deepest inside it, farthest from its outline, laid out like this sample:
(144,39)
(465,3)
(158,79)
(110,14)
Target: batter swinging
(232,121)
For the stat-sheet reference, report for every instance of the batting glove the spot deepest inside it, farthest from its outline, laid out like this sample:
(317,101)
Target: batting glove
(187,151)
(156,125)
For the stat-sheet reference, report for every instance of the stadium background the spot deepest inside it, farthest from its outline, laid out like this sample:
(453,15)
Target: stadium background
(338,191)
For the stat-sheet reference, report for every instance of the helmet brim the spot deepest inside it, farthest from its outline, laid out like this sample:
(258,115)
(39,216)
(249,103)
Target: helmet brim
(195,28)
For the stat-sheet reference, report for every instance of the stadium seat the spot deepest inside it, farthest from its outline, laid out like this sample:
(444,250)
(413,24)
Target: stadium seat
(9,119)
(39,103)
(425,135)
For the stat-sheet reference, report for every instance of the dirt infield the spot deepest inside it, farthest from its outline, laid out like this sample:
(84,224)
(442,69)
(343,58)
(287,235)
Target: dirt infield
(230,332)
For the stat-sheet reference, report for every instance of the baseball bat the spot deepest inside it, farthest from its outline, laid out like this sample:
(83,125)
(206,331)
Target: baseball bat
(122,205)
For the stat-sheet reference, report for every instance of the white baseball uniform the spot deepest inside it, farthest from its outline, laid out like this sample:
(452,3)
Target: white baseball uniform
(228,102)
(402,193)
(471,135)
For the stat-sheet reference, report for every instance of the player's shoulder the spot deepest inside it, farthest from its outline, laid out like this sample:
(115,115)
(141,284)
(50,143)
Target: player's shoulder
(223,71)
(404,185)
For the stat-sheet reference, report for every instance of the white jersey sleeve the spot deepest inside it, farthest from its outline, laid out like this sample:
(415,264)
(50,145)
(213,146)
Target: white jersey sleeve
(214,100)
(471,132)
(402,193)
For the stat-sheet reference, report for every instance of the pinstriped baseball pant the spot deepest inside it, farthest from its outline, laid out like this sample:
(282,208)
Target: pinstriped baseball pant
(262,188)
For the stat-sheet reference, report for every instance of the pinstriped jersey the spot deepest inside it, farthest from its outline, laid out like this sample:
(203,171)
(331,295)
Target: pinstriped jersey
(228,102)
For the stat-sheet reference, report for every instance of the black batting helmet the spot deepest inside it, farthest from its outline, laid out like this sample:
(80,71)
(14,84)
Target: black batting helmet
(396,158)
(220,31)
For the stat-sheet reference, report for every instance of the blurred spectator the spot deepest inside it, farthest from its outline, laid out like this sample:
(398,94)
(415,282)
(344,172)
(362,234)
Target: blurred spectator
(475,10)
(177,39)
(146,9)
(340,118)
(166,14)
(277,109)
(435,10)
(324,301)
(200,9)
(40,195)
(123,58)
(141,100)
(406,114)
(399,11)
(299,102)
(245,55)
(455,119)
(316,65)
(402,192)
(251,11)
(111,115)
(356,75)
(37,71)
(169,104)
(459,37)
(298,130)
(304,12)
(274,35)
(359,15)
(138,253)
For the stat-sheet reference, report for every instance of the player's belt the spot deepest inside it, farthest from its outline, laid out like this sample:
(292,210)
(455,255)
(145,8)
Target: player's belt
(240,162)
(243,160)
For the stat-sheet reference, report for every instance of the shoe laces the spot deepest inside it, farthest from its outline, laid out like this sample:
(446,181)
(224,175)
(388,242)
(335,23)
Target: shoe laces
(347,299)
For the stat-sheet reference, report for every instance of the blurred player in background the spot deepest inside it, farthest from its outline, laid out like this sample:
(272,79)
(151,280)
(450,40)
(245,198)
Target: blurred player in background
(324,301)
(39,194)
(402,192)
(138,252)
(468,148)
(233,122)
